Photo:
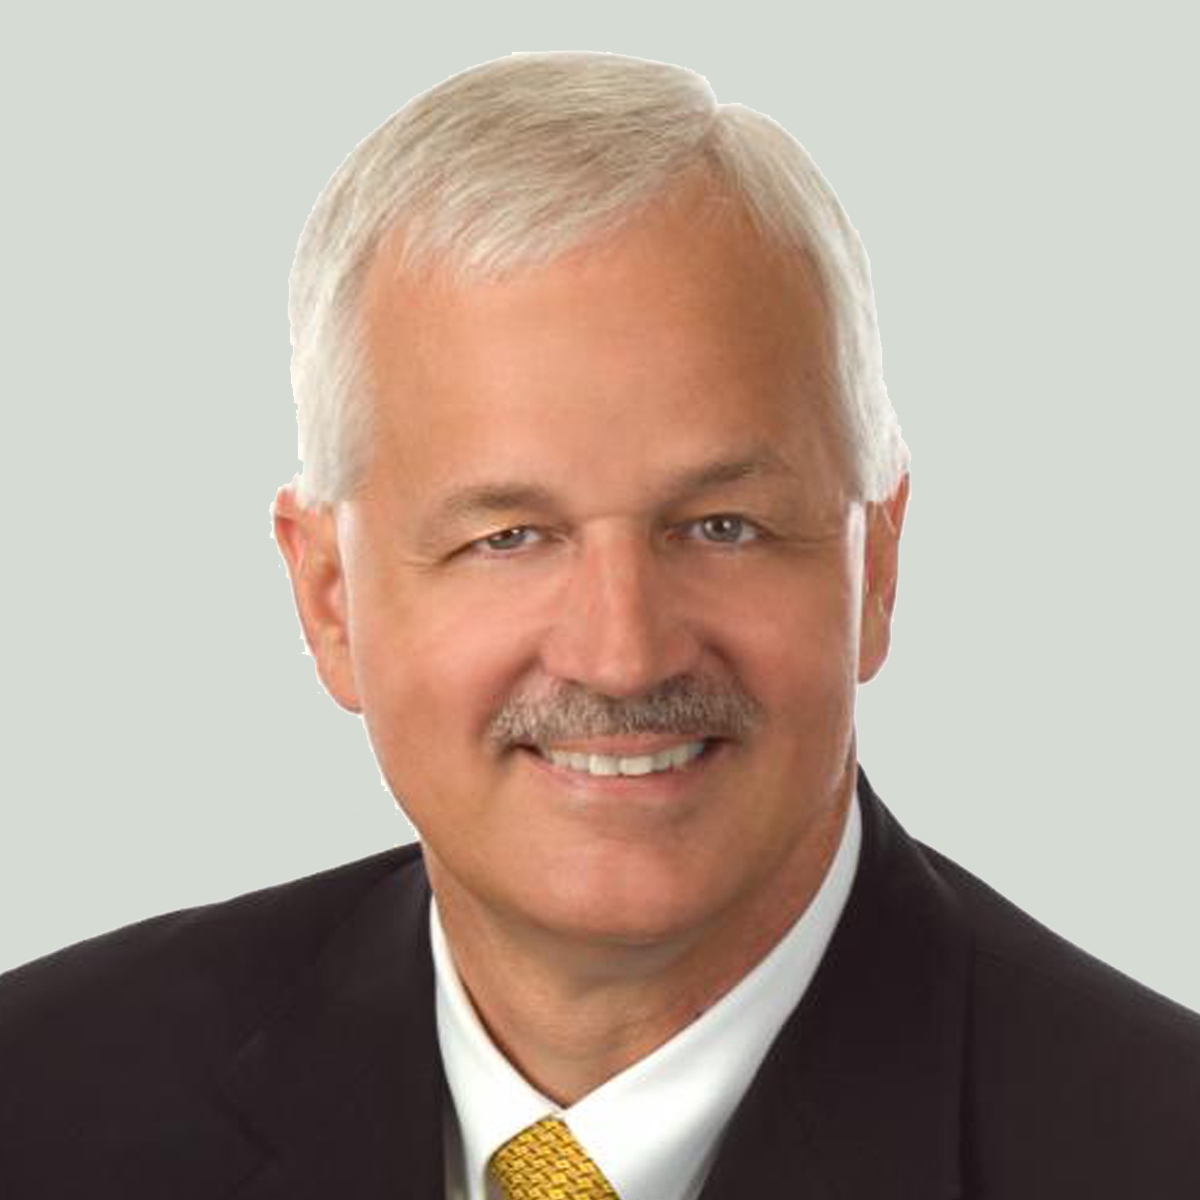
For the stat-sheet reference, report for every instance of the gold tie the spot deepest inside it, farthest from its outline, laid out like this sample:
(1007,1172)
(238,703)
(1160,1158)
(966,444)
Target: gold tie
(545,1162)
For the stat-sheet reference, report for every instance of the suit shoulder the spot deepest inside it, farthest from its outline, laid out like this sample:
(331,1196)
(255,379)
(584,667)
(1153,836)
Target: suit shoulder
(1083,1080)
(223,959)
(1014,949)
(113,1051)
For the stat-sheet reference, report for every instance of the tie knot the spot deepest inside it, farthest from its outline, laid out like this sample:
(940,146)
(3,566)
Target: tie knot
(545,1162)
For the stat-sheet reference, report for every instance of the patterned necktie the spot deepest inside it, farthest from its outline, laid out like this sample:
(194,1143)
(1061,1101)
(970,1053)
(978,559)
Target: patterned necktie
(545,1162)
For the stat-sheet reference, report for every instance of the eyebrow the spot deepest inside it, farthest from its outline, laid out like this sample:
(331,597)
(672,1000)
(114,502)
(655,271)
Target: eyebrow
(487,498)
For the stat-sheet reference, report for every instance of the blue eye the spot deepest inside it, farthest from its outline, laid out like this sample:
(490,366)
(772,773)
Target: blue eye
(502,540)
(726,520)
(728,528)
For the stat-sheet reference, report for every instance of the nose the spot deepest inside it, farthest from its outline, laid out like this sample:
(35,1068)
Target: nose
(621,629)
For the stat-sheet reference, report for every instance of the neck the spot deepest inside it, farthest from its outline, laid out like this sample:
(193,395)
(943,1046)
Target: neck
(569,1015)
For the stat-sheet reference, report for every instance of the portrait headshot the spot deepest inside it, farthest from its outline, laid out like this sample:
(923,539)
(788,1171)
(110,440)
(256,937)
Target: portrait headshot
(629,750)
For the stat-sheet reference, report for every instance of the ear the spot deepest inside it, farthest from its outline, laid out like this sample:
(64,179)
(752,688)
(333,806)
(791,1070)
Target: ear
(884,521)
(308,541)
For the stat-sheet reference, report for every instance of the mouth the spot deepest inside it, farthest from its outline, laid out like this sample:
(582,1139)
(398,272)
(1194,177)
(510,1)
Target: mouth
(667,771)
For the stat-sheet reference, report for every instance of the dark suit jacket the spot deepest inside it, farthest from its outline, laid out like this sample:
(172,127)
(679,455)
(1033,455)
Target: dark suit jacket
(283,1044)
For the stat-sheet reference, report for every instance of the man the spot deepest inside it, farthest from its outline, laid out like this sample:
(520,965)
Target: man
(598,531)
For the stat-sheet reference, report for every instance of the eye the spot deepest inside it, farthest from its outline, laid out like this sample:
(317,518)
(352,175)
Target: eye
(723,529)
(502,540)
(727,528)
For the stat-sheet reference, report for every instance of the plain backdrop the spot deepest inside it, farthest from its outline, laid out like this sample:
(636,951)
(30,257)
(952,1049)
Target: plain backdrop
(1024,178)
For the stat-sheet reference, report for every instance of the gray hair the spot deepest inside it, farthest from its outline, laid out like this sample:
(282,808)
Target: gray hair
(516,162)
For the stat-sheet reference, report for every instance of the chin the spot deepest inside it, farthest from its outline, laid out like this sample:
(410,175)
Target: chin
(623,907)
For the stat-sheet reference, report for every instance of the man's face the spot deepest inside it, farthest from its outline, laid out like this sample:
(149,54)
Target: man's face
(616,601)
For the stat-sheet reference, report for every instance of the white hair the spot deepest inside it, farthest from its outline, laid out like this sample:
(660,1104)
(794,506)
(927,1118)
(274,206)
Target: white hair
(516,162)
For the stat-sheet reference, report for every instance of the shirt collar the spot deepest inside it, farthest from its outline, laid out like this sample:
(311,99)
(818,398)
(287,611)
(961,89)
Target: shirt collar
(698,1077)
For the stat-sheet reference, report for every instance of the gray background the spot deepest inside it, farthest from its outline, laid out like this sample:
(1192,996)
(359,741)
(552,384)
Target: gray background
(1025,181)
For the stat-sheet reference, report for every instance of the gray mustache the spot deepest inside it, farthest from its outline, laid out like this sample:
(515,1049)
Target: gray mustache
(685,707)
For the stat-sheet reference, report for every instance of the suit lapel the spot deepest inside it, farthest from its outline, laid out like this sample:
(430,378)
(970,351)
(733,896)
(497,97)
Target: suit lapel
(343,1088)
(860,1094)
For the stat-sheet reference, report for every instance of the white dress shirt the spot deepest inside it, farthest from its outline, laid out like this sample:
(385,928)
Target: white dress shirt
(653,1129)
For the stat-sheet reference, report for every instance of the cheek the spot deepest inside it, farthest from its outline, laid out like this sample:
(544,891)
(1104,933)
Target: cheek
(431,676)
(800,642)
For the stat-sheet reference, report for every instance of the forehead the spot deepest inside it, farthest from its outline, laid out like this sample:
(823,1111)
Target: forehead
(646,354)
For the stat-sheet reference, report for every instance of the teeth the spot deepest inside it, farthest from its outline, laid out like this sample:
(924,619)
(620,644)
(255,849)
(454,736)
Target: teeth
(604,764)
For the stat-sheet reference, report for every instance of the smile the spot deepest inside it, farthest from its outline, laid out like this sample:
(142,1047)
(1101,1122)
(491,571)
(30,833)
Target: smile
(674,759)
(666,776)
